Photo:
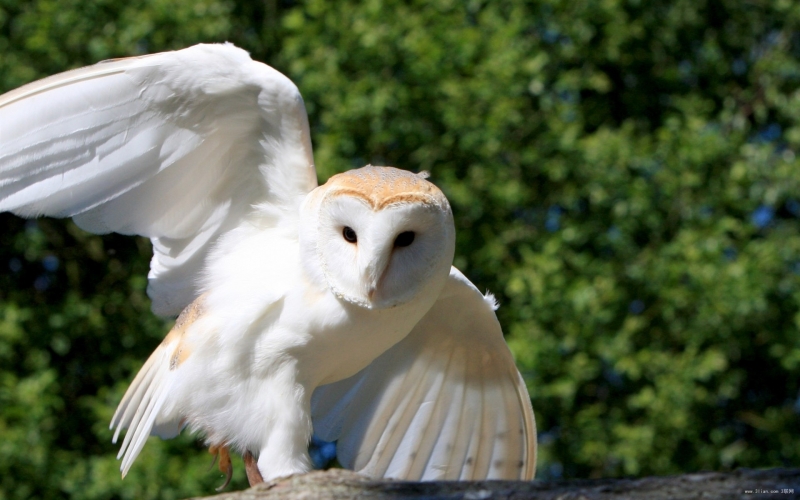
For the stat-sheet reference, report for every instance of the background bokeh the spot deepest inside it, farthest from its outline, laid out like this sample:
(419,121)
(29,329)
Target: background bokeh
(623,175)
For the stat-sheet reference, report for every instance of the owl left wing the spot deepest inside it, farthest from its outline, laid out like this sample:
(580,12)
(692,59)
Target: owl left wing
(180,147)
(445,403)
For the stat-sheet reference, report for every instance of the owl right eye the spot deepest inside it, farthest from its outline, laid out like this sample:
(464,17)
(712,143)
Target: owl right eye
(349,235)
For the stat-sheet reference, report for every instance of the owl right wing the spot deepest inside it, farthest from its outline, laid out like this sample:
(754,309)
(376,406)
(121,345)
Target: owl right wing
(179,147)
(445,403)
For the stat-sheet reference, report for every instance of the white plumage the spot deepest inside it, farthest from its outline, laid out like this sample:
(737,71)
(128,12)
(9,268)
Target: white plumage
(331,309)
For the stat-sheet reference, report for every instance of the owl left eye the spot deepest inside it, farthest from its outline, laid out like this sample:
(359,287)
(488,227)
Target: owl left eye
(349,235)
(404,239)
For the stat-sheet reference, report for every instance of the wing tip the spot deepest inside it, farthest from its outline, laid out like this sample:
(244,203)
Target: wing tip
(529,421)
(140,407)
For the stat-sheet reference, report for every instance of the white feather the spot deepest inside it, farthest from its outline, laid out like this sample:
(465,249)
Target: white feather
(446,402)
(119,146)
(142,404)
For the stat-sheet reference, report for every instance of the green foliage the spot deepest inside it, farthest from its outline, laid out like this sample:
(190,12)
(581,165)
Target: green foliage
(623,176)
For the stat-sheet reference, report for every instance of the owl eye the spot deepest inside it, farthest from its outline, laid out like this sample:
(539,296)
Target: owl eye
(404,239)
(349,235)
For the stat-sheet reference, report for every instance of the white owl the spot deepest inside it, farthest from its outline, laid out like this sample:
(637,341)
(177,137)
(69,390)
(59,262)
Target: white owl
(331,310)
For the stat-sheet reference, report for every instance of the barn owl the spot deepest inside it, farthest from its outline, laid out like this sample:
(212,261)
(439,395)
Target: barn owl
(331,310)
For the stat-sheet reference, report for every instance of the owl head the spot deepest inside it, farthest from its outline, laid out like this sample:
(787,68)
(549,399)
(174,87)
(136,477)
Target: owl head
(377,237)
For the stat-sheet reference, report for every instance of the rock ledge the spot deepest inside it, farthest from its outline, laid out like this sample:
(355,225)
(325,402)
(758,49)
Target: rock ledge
(338,484)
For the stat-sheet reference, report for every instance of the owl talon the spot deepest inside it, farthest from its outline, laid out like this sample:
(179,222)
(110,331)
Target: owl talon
(225,465)
(251,467)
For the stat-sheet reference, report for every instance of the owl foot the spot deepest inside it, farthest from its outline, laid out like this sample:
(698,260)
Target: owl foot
(225,465)
(251,467)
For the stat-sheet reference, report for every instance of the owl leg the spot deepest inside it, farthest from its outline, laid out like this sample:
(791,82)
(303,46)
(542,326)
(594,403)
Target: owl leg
(225,465)
(251,467)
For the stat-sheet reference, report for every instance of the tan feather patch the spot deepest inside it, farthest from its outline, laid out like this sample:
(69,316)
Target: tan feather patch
(187,317)
(384,186)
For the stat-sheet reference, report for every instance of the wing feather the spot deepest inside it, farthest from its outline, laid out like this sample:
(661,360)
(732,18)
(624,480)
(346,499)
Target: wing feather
(387,409)
(179,147)
(472,427)
(406,438)
(486,436)
(145,408)
(379,462)
(446,402)
(135,394)
(440,465)
(513,447)
(440,400)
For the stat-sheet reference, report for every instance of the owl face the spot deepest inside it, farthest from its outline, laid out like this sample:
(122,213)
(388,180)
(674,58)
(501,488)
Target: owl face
(377,236)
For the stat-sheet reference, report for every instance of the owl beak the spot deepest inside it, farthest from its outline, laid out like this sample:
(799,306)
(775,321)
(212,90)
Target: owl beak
(372,268)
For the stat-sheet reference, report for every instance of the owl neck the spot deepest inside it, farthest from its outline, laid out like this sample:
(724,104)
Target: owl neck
(345,338)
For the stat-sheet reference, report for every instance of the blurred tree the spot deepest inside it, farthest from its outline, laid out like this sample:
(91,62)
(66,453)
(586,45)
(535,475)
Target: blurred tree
(623,176)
